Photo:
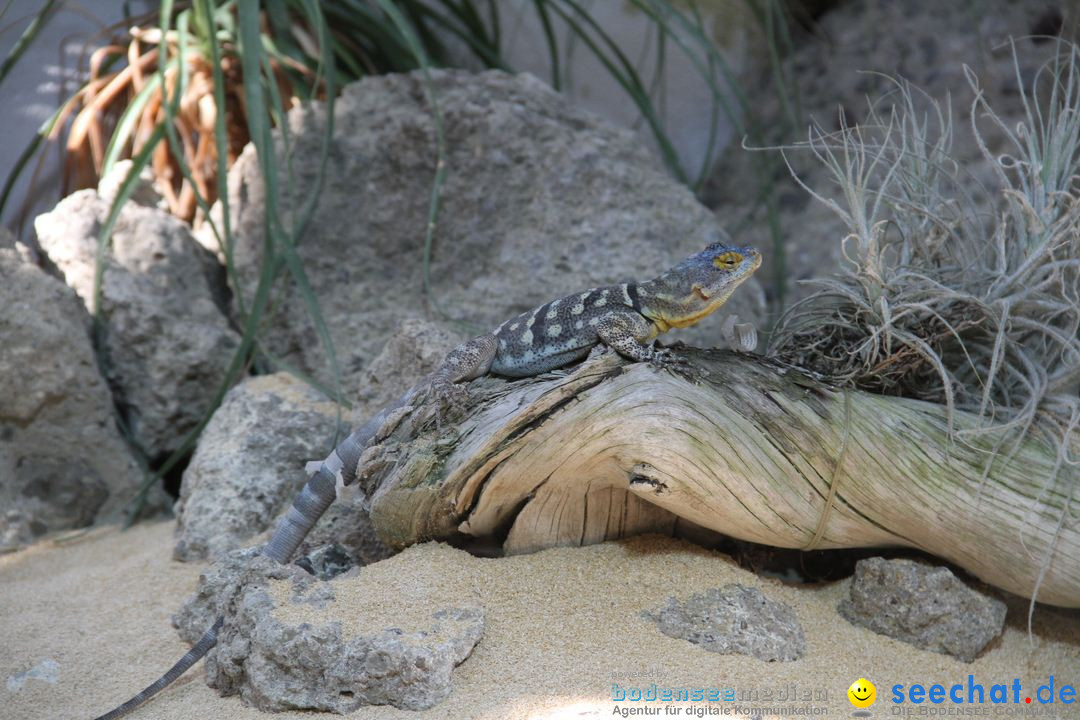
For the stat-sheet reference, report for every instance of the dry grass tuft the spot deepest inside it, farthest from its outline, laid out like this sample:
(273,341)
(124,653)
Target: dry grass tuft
(953,292)
(116,112)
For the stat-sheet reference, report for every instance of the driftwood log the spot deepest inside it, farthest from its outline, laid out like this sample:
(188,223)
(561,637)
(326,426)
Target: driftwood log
(610,449)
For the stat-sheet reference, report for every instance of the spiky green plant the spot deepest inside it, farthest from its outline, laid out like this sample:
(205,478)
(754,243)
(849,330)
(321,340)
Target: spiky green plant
(942,301)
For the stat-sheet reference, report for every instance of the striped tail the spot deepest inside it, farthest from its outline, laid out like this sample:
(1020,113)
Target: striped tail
(315,497)
(207,641)
(319,492)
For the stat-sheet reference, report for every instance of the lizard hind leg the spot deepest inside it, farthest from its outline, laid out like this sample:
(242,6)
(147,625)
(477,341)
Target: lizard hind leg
(467,361)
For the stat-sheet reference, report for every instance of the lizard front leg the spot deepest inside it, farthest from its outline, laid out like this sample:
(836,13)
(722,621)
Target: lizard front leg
(631,334)
(465,362)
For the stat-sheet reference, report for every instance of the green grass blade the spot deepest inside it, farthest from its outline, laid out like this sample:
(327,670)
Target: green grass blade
(205,15)
(280,36)
(124,127)
(171,109)
(417,13)
(127,187)
(278,364)
(252,60)
(27,38)
(236,367)
(380,31)
(325,69)
(20,164)
(552,42)
(771,19)
(486,50)
(496,25)
(740,115)
(718,102)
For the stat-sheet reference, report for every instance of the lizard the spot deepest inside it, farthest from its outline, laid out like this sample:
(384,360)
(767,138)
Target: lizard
(624,318)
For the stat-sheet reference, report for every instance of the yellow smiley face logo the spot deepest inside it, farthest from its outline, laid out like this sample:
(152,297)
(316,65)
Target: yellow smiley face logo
(862,693)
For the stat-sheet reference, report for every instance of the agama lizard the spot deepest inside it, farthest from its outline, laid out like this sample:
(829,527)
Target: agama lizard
(625,318)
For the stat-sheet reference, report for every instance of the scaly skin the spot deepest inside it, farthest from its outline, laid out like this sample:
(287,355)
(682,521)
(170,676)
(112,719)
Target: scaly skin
(626,318)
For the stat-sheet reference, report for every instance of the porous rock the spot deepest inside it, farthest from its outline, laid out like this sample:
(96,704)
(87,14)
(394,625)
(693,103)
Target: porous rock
(540,199)
(924,606)
(734,620)
(218,584)
(167,343)
(249,463)
(278,662)
(416,349)
(63,462)
(143,192)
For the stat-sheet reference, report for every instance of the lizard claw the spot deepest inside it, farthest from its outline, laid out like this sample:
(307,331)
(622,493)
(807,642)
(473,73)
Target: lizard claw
(665,359)
(450,399)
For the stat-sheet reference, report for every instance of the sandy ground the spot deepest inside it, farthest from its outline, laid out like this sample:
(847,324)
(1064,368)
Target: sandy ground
(562,627)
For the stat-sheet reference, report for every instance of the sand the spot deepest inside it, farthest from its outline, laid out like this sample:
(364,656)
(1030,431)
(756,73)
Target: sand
(562,627)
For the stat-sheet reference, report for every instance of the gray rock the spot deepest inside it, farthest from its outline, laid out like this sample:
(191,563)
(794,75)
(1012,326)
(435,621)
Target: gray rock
(276,663)
(924,606)
(540,199)
(144,192)
(63,463)
(416,349)
(167,343)
(328,561)
(8,241)
(734,620)
(217,586)
(344,538)
(249,463)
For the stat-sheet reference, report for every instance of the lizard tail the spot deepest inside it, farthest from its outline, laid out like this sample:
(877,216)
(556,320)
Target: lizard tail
(316,496)
(197,651)
(318,493)
(321,489)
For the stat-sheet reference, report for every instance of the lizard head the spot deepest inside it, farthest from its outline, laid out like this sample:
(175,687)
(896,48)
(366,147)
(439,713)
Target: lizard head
(698,285)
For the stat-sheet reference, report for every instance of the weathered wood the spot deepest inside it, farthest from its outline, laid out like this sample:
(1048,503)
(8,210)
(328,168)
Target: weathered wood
(612,449)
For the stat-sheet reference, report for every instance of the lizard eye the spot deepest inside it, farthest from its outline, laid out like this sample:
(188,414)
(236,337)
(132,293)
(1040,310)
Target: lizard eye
(727,260)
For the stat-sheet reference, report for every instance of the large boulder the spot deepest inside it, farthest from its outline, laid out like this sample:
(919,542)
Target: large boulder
(167,342)
(63,462)
(540,199)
